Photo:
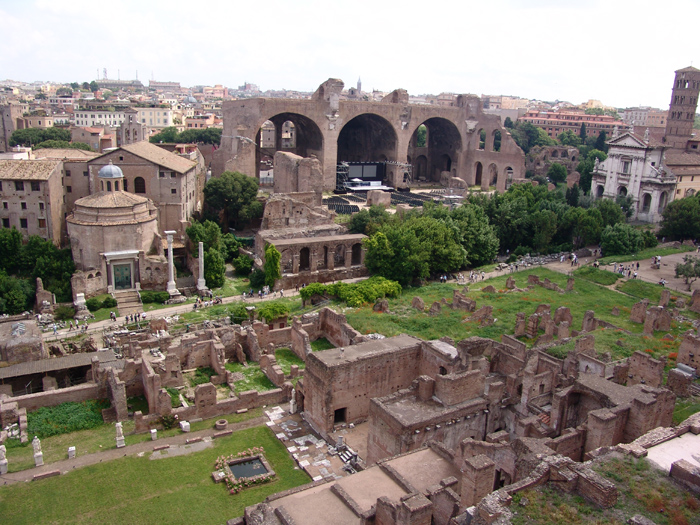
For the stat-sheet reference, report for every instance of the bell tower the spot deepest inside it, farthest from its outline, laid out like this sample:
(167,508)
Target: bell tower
(684,103)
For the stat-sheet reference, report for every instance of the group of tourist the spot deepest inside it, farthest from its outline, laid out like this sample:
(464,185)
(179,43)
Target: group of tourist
(80,327)
(135,318)
(629,271)
(209,302)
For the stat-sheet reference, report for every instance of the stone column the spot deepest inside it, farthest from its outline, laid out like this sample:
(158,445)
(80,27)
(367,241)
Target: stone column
(331,259)
(348,257)
(201,282)
(172,287)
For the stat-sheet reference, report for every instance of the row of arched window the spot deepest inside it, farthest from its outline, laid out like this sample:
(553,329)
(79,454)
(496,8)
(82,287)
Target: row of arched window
(139,185)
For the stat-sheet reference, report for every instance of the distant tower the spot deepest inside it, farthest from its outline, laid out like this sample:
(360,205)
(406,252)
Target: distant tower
(684,103)
(359,86)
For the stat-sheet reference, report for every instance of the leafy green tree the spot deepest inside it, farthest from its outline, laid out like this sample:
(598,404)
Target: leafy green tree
(681,219)
(167,135)
(31,136)
(74,85)
(62,144)
(582,134)
(64,91)
(421,134)
(621,239)
(477,236)
(10,246)
(397,255)
(600,142)
(233,196)
(93,86)
(689,269)
(611,212)
(229,246)
(572,195)
(569,138)
(243,265)
(214,268)
(557,172)
(86,86)
(207,232)
(626,204)
(440,240)
(16,295)
(544,226)
(271,267)
(650,240)
(368,220)
(508,123)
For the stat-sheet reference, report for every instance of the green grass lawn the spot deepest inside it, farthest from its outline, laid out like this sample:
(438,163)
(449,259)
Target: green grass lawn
(253,378)
(286,358)
(597,275)
(321,344)
(644,254)
(55,448)
(139,490)
(685,408)
(587,295)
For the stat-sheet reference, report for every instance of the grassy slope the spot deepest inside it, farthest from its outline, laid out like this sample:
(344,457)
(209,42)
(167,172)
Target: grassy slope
(139,490)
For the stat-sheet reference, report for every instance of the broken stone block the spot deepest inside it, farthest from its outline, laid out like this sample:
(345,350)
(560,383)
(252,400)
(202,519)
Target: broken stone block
(665,298)
(435,309)
(510,283)
(489,289)
(418,303)
(615,311)
(638,313)
(382,305)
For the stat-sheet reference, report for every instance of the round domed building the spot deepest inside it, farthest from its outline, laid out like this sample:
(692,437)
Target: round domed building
(111,233)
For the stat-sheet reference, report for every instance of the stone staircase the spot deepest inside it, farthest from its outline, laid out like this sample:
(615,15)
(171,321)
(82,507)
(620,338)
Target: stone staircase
(128,302)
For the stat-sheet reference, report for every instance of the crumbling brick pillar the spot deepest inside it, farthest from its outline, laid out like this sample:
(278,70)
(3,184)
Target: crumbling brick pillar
(477,479)
(331,258)
(295,263)
(348,257)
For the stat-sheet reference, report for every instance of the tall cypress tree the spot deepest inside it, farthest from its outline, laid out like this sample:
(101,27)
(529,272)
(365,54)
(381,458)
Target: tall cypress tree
(582,134)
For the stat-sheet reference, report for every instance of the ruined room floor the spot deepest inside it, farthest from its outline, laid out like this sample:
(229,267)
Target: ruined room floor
(686,446)
(311,453)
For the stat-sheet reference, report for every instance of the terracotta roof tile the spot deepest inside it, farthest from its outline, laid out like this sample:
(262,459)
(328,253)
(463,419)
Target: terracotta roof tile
(27,169)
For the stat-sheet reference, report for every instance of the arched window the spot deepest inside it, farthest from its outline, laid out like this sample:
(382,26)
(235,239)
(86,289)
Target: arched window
(482,140)
(663,200)
(600,191)
(109,186)
(139,185)
(479,172)
(555,154)
(646,202)
(126,186)
(622,191)
(496,141)
(304,260)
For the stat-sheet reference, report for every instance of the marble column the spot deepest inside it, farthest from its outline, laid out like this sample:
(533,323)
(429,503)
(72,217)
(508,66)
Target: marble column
(172,287)
(201,282)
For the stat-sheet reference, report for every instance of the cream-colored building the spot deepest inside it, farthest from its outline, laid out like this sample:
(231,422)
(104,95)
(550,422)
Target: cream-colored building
(31,198)
(90,118)
(112,232)
(75,171)
(173,182)
(155,118)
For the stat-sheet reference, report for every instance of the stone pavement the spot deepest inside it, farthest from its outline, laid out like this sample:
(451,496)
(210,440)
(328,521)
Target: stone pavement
(685,446)
(313,454)
(138,449)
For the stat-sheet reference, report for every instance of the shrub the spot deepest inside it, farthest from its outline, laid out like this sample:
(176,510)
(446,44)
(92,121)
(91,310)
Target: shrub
(168,421)
(238,313)
(650,240)
(257,278)
(174,396)
(270,310)
(93,304)
(65,418)
(621,239)
(149,296)
(243,265)
(109,302)
(356,294)
(64,312)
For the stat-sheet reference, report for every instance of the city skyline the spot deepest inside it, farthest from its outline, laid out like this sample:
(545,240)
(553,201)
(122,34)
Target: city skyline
(538,49)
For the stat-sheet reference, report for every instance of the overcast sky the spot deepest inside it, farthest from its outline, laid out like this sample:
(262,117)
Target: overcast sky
(622,52)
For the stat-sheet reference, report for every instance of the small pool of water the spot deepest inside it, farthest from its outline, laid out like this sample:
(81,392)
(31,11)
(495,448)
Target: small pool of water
(248,469)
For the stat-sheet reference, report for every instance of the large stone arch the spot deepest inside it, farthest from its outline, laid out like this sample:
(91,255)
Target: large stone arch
(443,144)
(308,138)
(368,137)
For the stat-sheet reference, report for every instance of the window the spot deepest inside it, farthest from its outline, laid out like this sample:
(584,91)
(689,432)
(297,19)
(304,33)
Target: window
(0,185)
(139,185)
(23,223)
(626,166)
(24,205)
(19,185)
(161,174)
(36,185)
(6,223)
(86,173)
(4,205)
(172,175)
(121,158)
(109,185)
(67,173)
(42,223)
(173,191)
(125,185)
(69,189)
(41,205)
